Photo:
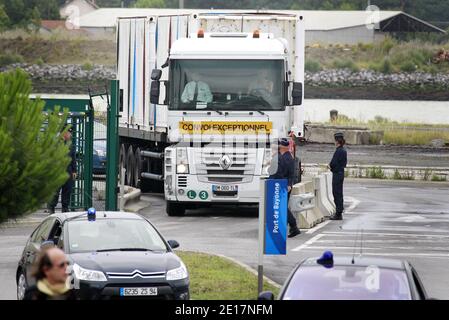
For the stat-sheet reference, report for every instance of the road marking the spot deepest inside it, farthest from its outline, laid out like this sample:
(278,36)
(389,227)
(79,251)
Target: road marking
(354,204)
(318,227)
(345,233)
(377,248)
(309,242)
(385,241)
(389,254)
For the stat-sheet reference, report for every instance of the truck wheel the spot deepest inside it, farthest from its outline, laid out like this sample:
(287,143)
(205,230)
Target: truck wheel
(174,209)
(137,168)
(122,160)
(130,167)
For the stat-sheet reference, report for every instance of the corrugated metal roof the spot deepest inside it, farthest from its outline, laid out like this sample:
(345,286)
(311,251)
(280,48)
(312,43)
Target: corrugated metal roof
(314,19)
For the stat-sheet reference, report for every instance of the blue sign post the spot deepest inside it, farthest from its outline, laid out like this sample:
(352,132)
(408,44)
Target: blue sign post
(276,196)
(272,221)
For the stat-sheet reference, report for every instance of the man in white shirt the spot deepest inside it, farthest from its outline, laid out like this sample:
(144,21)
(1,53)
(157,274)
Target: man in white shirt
(196,91)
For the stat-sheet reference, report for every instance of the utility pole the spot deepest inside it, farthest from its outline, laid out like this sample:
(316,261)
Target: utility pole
(181,4)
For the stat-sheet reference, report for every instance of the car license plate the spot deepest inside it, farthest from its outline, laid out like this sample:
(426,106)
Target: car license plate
(138,291)
(225,188)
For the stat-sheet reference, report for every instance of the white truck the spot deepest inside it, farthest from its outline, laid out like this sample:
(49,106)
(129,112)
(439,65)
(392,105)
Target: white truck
(204,99)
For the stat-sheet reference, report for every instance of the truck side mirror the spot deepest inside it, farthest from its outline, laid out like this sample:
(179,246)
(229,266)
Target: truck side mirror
(297,93)
(156,74)
(154,91)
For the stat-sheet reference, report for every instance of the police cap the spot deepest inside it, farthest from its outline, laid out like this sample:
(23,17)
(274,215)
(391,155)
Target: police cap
(338,135)
(284,142)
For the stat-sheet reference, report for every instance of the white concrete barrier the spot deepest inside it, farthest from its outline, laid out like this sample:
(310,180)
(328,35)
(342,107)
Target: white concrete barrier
(322,201)
(306,218)
(330,195)
(320,216)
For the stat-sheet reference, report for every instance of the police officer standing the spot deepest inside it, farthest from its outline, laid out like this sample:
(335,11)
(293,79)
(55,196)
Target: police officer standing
(337,166)
(285,170)
(66,189)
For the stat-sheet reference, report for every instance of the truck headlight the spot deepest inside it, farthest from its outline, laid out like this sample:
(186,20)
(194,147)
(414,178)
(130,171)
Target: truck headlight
(182,165)
(267,157)
(88,275)
(178,273)
(182,168)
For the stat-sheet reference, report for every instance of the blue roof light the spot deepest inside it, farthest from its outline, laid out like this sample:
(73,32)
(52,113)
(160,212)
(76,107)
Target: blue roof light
(327,259)
(91,214)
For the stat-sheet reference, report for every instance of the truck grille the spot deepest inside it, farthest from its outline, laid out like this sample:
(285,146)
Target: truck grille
(242,168)
(182,181)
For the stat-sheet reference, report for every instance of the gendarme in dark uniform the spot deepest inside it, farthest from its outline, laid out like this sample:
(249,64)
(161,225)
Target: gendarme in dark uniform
(66,188)
(337,166)
(285,170)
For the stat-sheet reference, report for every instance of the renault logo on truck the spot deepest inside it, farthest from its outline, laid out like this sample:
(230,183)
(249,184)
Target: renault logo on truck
(225,162)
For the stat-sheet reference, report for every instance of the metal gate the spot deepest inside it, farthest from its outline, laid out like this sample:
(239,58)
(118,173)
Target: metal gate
(81,119)
(106,126)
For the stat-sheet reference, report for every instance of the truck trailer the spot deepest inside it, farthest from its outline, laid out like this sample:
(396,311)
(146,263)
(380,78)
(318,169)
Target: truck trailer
(204,98)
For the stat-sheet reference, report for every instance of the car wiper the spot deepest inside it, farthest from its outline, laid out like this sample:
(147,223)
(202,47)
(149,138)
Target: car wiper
(125,249)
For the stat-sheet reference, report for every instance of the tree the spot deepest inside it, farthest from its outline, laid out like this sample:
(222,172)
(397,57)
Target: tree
(22,13)
(33,158)
(4,19)
(150,4)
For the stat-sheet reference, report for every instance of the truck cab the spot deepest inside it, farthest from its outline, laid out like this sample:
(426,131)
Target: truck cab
(229,94)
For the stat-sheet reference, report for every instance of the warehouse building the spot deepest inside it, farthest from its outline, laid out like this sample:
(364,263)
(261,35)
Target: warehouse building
(335,27)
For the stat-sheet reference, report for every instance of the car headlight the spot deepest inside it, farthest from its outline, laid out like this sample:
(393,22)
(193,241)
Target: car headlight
(88,275)
(178,273)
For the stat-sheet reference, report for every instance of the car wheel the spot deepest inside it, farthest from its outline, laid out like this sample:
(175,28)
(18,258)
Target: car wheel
(174,209)
(21,286)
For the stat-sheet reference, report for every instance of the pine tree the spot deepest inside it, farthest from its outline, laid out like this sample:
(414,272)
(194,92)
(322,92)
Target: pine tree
(33,157)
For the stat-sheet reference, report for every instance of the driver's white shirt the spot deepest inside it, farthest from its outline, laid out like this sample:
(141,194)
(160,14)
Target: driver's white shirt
(204,94)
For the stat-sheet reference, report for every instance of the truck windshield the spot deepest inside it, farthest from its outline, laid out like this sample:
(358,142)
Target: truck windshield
(226,85)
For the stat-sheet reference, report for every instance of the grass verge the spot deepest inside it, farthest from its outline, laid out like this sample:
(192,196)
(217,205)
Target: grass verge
(216,278)
(399,133)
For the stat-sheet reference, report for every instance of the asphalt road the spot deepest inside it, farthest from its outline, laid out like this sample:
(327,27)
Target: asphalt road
(404,220)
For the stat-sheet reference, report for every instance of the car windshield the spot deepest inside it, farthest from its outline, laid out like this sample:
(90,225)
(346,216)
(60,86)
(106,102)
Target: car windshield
(226,85)
(113,234)
(348,283)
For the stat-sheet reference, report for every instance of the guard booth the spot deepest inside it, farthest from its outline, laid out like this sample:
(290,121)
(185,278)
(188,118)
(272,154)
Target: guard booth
(81,119)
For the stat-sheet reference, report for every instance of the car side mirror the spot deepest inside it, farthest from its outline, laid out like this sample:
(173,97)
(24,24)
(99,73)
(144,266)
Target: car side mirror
(266,295)
(297,93)
(47,244)
(173,244)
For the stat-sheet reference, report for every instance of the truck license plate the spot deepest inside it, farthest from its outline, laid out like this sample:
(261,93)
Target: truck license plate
(225,188)
(152,291)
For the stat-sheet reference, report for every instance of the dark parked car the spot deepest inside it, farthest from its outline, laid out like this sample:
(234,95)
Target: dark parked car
(99,156)
(351,278)
(112,255)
